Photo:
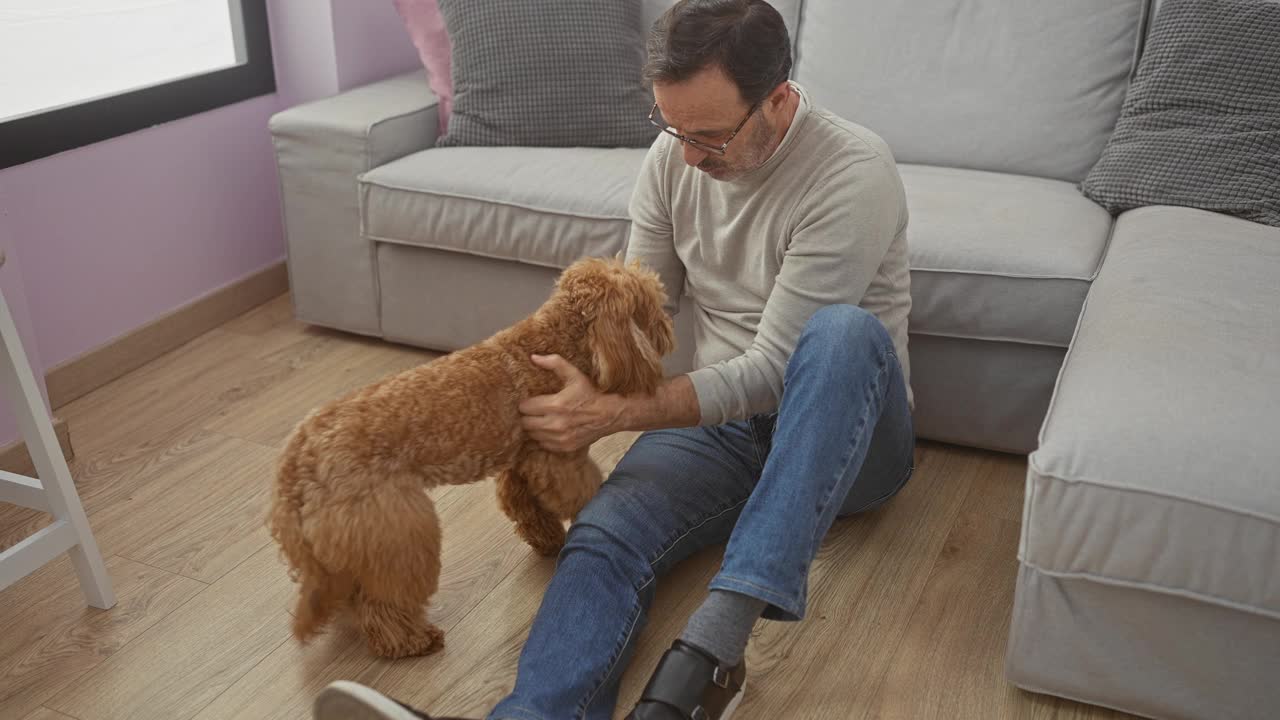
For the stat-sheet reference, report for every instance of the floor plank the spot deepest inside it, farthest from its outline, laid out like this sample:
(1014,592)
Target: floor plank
(199,514)
(339,366)
(182,663)
(56,638)
(18,523)
(273,317)
(283,685)
(44,713)
(172,395)
(957,634)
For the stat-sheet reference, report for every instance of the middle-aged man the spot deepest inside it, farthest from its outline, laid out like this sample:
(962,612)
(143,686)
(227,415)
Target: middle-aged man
(785,227)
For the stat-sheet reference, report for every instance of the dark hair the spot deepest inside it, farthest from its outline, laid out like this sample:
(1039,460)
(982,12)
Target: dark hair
(745,37)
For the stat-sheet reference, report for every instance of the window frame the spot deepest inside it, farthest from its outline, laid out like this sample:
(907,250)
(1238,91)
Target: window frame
(40,135)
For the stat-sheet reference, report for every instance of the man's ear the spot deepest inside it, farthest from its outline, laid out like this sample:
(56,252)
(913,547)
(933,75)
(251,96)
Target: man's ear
(778,96)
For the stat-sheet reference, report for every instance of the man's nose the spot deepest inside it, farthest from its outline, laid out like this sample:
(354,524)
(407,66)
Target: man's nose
(693,155)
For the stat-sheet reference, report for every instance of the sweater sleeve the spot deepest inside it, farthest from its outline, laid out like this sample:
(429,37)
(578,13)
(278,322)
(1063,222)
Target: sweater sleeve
(844,227)
(652,240)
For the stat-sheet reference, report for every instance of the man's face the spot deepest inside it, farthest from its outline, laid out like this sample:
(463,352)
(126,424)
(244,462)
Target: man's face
(707,107)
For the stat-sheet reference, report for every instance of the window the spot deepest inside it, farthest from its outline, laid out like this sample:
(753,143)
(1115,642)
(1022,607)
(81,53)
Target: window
(75,72)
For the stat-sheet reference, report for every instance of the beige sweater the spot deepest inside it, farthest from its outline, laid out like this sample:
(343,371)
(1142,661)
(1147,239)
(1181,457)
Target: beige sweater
(823,221)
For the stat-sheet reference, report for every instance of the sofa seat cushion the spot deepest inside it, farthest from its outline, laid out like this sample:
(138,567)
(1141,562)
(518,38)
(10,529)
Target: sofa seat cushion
(1158,466)
(999,257)
(542,206)
(993,257)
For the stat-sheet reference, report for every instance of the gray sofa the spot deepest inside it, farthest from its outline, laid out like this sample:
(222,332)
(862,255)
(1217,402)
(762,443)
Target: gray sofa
(1149,575)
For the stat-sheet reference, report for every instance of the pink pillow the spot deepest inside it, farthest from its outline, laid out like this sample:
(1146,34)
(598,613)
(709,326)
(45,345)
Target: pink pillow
(426,30)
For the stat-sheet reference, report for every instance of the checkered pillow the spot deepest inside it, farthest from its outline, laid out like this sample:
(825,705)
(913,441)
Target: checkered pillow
(1200,125)
(558,73)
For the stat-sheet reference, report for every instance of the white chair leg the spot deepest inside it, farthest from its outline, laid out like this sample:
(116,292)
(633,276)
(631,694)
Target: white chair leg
(61,498)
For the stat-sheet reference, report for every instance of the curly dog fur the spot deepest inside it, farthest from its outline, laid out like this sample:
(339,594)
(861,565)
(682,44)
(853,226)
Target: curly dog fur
(351,511)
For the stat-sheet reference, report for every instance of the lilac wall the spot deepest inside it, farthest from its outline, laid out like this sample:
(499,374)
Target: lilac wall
(302,47)
(106,238)
(321,53)
(370,42)
(114,235)
(11,284)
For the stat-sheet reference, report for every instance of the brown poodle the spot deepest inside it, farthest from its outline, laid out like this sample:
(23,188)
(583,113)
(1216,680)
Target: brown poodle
(351,510)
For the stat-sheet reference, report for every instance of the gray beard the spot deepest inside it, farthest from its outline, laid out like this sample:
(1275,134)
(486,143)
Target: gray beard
(759,146)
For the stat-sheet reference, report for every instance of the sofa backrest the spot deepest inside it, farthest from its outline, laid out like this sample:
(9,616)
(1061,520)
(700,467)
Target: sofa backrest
(1032,87)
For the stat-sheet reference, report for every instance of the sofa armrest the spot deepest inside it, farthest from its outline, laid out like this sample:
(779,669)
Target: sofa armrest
(322,148)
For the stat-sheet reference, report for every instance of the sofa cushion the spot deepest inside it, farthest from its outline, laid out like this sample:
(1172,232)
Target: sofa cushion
(427,32)
(543,206)
(1175,146)
(1158,462)
(546,74)
(1031,87)
(999,257)
(993,257)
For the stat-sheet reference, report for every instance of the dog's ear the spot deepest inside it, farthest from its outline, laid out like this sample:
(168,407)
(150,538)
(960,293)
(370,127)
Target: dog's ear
(651,313)
(624,358)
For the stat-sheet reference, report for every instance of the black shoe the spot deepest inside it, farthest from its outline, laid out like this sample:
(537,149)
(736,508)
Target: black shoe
(690,684)
(344,700)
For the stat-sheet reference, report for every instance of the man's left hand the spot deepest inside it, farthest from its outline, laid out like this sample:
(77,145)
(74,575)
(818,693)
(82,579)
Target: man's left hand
(573,418)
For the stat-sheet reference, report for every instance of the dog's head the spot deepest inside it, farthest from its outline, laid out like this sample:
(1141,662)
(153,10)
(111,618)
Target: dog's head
(628,332)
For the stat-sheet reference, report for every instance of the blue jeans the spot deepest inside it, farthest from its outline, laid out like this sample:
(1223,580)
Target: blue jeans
(841,442)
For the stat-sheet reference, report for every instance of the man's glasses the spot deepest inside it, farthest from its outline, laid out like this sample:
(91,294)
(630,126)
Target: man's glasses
(661,124)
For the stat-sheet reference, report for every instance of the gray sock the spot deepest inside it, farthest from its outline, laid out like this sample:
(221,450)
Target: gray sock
(722,625)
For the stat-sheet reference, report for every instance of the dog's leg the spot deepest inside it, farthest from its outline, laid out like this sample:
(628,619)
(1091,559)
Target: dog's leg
(396,629)
(390,544)
(320,596)
(534,523)
(561,483)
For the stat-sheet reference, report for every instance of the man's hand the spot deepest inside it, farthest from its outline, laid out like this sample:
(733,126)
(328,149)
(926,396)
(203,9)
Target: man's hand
(573,418)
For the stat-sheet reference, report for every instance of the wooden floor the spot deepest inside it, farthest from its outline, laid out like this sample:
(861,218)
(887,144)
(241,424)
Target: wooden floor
(909,606)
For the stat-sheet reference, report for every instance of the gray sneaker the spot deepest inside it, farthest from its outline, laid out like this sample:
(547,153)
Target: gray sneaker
(344,700)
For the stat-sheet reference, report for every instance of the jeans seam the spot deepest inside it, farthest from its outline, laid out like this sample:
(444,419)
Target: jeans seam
(906,475)
(525,714)
(613,659)
(676,540)
(862,424)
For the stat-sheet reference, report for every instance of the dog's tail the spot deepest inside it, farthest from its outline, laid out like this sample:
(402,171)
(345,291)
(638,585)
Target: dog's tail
(322,593)
(320,597)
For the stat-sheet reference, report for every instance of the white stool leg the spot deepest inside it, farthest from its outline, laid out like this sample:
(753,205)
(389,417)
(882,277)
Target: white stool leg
(51,468)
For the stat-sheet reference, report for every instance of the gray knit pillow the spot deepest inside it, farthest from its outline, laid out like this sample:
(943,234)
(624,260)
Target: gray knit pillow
(1200,125)
(558,73)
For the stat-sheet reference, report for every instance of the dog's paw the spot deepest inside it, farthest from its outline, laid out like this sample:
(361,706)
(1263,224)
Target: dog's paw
(430,640)
(422,641)
(545,536)
(547,548)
